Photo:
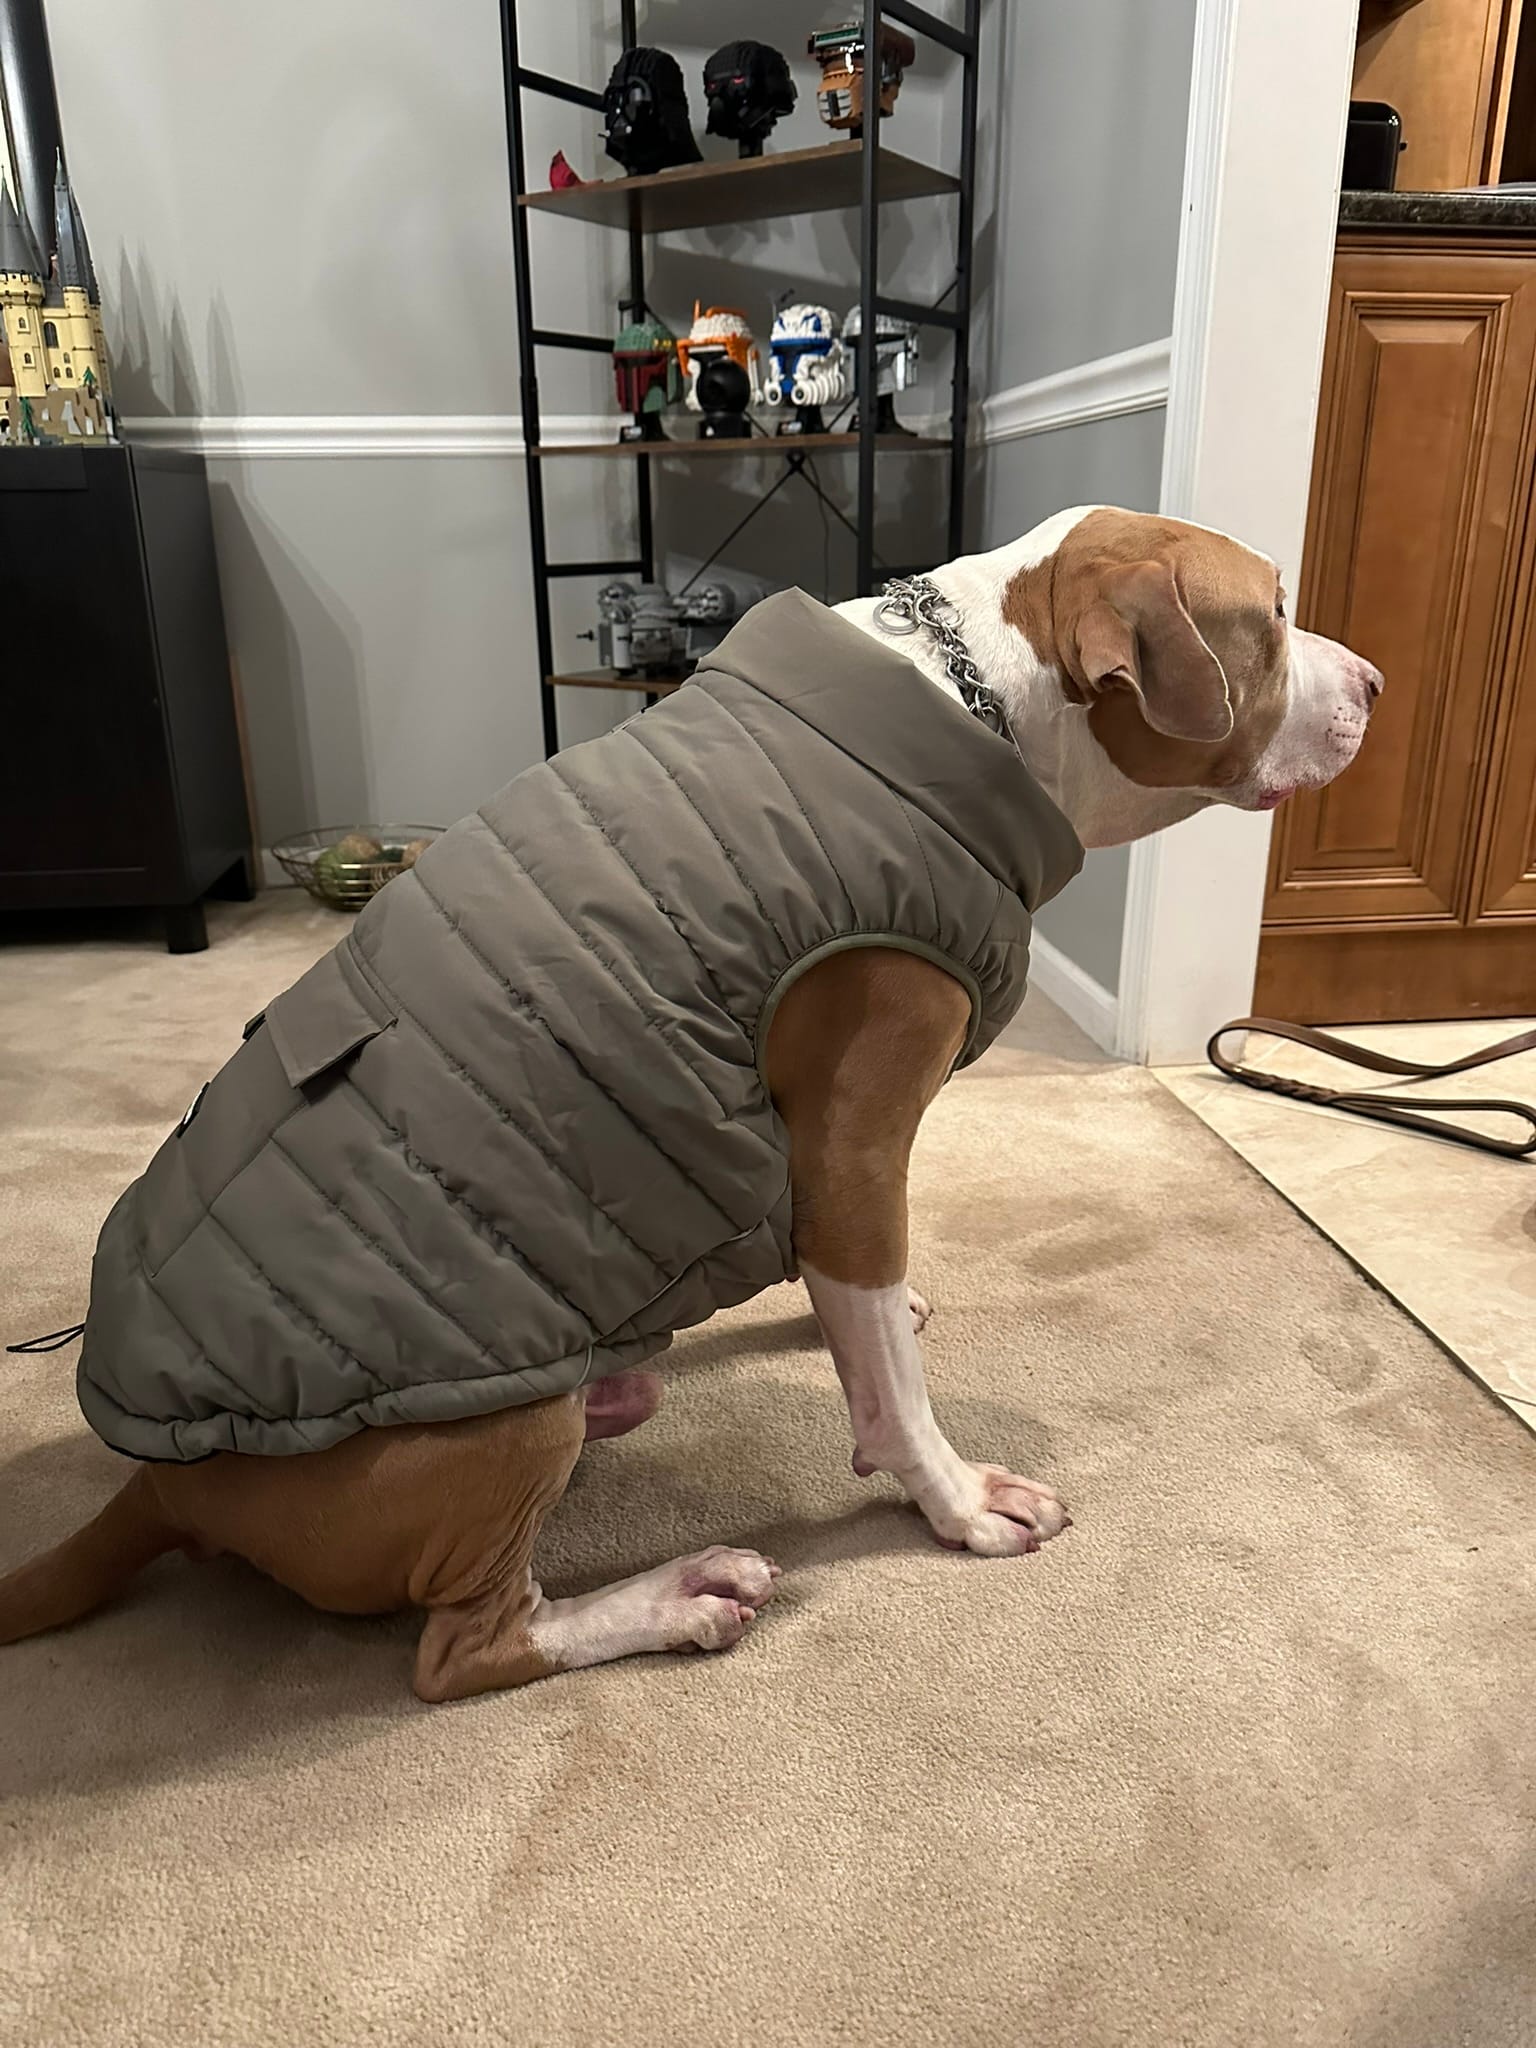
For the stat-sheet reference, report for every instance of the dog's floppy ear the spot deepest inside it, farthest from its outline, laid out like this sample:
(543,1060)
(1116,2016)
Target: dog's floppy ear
(1136,632)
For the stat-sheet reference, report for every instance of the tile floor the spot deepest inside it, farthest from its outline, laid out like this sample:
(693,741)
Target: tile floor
(1448,1231)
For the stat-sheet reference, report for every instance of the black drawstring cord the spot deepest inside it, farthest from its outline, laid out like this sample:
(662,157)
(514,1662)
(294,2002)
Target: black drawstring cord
(54,1341)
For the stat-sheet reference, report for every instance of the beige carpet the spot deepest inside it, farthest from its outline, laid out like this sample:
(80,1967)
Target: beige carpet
(1371,1186)
(1243,1761)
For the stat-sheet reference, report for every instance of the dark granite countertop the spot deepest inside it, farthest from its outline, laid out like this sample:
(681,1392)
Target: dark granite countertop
(1431,210)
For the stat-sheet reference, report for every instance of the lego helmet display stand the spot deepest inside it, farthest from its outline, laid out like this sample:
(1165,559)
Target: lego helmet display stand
(645,113)
(886,421)
(747,86)
(805,419)
(724,392)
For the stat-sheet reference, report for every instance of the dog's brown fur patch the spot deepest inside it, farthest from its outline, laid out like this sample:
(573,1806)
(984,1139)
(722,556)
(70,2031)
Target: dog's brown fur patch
(1228,591)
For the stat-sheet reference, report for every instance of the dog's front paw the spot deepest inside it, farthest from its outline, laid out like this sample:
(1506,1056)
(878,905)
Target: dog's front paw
(997,1514)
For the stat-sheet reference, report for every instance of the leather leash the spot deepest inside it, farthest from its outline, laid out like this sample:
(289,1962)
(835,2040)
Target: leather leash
(1375,1106)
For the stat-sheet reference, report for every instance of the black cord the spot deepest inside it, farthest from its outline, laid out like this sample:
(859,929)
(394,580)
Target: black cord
(54,1341)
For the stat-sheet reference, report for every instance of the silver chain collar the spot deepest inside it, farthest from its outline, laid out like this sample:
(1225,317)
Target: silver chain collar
(913,601)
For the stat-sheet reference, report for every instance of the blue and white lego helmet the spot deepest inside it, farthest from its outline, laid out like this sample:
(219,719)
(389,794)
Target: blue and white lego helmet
(805,353)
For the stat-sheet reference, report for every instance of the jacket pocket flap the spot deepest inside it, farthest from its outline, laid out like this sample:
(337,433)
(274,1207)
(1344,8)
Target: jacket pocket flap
(328,1013)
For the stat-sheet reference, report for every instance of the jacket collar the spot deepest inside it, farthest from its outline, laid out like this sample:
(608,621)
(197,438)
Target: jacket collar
(879,707)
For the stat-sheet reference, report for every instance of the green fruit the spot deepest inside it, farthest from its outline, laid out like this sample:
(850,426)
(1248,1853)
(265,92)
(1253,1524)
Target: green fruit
(356,846)
(329,873)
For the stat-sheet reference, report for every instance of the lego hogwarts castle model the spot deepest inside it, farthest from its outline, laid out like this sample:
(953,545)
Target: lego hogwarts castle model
(54,384)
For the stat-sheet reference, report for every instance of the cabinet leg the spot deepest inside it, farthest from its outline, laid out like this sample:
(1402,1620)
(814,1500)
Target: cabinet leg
(237,884)
(186,928)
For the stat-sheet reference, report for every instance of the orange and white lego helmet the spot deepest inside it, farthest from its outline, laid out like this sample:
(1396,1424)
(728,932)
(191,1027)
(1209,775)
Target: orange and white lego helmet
(716,331)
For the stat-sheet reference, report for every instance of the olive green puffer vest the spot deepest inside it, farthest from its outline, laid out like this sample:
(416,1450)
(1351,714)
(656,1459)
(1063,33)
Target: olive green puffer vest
(513,1131)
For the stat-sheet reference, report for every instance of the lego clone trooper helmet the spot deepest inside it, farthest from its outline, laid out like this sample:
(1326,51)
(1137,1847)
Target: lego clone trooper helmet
(896,352)
(805,357)
(717,331)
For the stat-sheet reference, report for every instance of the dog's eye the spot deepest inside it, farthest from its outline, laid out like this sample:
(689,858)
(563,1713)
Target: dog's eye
(1280,605)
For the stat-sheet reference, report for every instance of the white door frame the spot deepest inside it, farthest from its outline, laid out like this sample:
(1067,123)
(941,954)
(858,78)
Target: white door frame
(1269,97)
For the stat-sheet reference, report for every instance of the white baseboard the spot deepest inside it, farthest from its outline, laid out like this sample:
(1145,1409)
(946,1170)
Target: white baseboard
(1073,989)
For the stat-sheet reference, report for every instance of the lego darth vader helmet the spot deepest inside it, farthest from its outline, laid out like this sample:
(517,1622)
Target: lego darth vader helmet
(645,113)
(747,86)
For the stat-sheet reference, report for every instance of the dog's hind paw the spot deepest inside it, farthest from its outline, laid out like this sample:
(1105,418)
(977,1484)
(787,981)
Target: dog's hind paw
(716,1595)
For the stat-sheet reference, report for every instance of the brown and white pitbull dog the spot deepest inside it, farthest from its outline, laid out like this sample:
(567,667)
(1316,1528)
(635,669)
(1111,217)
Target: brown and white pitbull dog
(1148,669)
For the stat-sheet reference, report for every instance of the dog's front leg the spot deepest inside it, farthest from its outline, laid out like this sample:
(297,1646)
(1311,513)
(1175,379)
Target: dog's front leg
(859,1047)
(874,1347)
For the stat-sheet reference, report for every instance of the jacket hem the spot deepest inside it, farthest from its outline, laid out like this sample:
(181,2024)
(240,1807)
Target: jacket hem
(196,1437)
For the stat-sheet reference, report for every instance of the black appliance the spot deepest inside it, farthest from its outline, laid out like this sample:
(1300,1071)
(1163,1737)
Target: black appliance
(1371,145)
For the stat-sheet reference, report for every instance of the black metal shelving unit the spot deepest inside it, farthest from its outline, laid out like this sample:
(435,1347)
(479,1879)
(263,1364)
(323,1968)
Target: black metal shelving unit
(863,173)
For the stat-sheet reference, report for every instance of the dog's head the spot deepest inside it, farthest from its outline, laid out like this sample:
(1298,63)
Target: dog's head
(1190,685)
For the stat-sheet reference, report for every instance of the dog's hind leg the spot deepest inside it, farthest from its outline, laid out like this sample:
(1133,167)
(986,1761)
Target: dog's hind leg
(513,1634)
(620,1403)
(489,1625)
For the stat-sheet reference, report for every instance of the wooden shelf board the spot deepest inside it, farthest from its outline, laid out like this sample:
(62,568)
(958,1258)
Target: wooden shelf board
(743,188)
(756,445)
(610,679)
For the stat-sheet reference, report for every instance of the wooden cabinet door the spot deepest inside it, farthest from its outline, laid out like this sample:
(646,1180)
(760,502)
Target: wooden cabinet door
(1445,65)
(1415,558)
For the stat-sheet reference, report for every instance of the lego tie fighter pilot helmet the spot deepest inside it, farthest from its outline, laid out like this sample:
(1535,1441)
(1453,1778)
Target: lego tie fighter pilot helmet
(748,87)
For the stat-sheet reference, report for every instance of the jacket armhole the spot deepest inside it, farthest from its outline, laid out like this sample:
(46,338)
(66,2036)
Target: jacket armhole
(327,1014)
(891,942)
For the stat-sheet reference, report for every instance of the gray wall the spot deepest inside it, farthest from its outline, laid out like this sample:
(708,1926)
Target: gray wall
(303,210)
(1080,250)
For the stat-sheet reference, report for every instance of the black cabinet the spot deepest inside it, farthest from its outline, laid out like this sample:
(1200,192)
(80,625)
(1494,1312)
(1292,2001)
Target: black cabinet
(120,770)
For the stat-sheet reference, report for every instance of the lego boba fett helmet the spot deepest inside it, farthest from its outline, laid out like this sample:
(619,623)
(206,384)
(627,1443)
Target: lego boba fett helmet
(646,377)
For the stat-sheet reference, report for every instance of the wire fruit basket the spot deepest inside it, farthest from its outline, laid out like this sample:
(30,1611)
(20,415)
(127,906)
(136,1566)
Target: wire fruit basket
(346,865)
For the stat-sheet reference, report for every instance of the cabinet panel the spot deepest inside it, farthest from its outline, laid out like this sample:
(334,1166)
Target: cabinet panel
(1420,477)
(1507,885)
